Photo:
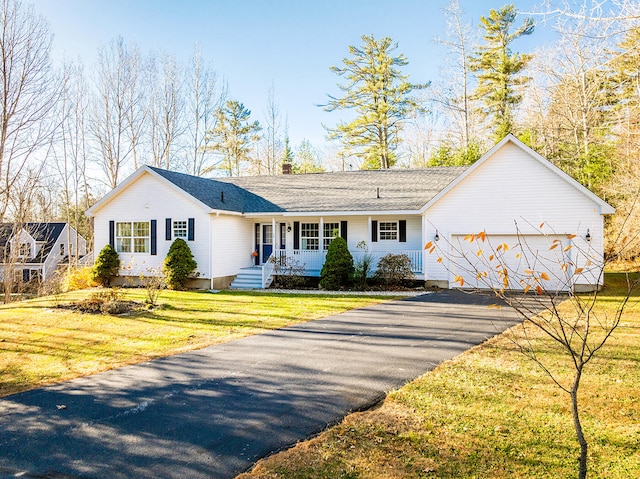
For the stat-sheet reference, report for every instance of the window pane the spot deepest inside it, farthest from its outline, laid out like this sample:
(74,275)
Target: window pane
(141,245)
(123,245)
(310,230)
(141,228)
(123,229)
(268,234)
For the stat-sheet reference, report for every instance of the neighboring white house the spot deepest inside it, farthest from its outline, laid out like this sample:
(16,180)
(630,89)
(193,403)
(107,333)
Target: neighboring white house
(512,195)
(33,251)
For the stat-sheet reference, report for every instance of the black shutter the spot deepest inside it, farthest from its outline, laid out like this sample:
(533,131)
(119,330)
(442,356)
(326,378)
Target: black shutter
(296,235)
(256,236)
(402,233)
(167,229)
(191,234)
(112,234)
(283,235)
(154,237)
(343,230)
(374,231)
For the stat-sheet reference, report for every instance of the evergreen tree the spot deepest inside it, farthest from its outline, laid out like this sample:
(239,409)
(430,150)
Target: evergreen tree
(308,159)
(381,97)
(106,266)
(338,267)
(233,136)
(179,264)
(498,68)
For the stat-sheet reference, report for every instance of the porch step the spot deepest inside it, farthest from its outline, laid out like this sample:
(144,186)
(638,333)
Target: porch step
(248,278)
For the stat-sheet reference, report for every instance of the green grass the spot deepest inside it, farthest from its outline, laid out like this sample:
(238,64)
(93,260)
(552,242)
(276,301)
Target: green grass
(41,344)
(490,413)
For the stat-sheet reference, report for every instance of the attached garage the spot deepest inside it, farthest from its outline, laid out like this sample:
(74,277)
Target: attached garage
(541,228)
(511,262)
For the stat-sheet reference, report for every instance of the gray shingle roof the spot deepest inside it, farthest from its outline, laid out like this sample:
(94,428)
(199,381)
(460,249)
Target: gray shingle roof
(353,191)
(218,195)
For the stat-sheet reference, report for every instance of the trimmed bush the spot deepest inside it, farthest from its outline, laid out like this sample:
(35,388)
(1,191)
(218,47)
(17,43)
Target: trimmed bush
(338,267)
(179,264)
(106,267)
(394,269)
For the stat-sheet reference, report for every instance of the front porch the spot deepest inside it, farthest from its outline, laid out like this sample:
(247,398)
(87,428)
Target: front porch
(309,263)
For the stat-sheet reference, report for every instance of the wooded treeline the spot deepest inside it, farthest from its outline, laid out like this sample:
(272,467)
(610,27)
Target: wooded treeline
(68,135)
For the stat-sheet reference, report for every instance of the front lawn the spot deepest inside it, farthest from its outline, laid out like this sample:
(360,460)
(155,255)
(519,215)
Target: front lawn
(489,413)
(41,344)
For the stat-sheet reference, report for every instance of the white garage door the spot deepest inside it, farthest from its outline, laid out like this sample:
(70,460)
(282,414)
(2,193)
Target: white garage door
(511,262)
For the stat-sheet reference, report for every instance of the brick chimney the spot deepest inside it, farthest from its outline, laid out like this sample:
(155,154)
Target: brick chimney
(287,168)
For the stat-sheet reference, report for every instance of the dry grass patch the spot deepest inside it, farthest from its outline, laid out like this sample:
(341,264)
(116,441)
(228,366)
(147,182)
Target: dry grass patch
(41,344)
(489,413)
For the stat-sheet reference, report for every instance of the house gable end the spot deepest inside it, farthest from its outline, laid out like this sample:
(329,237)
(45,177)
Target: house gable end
(137,175)
(603,207)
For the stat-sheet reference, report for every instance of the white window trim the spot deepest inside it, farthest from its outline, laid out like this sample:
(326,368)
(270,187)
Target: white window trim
(304,239)
(133,238)
(331,236)
(178,230)
(396,231)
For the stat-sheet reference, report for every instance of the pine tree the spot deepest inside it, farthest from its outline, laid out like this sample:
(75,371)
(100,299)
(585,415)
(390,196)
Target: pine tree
(233,136)
(106,266)
(179,264)
(498,68)
(338,268)
(381,97)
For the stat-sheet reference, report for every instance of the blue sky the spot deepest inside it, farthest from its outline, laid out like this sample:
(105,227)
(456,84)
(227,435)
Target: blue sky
(253,44)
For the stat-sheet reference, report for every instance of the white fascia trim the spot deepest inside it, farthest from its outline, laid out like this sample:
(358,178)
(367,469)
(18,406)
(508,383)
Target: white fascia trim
(337,213)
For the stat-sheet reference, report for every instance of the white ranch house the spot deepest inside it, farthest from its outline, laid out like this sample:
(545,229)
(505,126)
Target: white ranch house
(228,221)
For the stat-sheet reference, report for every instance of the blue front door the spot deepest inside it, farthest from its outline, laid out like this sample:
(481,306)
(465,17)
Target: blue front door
(266,246)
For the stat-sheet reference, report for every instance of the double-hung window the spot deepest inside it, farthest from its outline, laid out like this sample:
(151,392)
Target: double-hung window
(310,236)
(329,231)
(133,237)
(180,229)
(388,230)
(24,250)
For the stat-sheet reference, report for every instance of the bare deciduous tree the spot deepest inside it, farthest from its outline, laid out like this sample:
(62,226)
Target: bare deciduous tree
(165,110)
(110,116)
(27,96)
(203,96)
(549,302)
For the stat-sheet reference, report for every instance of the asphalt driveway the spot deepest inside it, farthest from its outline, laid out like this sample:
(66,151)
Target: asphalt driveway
(212,413)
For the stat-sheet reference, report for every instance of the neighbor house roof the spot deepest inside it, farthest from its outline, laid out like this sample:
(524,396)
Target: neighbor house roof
(47,233)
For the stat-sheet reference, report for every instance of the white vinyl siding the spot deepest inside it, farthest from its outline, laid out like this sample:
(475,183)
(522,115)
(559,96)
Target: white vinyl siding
(511,190)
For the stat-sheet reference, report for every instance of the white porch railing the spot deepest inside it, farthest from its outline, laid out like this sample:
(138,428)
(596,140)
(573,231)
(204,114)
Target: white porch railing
(267,271)
(312,260)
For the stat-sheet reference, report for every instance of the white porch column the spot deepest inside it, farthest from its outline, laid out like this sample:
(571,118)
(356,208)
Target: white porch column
(423,242)
(321,235)
(273,235)
(369,234)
